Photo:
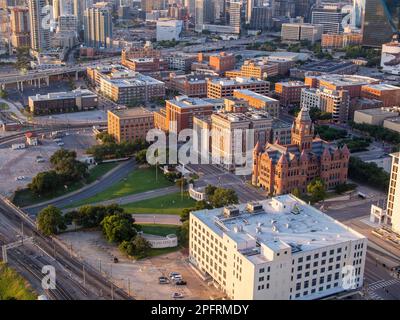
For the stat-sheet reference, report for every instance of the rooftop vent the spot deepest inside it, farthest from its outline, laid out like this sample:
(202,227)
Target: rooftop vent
(231,211)
(254,207)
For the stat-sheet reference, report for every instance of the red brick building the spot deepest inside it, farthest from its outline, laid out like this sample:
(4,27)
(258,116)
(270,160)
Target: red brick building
(280,169)
(290,92)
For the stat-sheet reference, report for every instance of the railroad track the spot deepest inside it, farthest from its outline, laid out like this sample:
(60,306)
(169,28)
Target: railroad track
(93,279)
(10,138)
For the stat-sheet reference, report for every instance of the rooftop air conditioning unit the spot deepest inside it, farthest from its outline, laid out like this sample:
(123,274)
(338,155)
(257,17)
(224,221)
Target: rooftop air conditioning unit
(231,211)
(254,207)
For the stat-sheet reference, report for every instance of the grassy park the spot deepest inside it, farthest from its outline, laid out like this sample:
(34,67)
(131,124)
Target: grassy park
(168,204)
(26,197)
(13,286)
(137,181)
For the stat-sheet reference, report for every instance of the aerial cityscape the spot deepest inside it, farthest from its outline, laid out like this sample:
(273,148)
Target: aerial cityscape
(200,150)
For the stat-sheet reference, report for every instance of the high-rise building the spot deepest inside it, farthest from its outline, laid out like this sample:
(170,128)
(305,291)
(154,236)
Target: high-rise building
(391,214)
(393,205)
(358,12)
(301,31)
(204,12)
(98,26)
(20,27)
(381,21)
(234,15)
(303,9)
(40,27)
(330,18)
(283,8)
(261,18)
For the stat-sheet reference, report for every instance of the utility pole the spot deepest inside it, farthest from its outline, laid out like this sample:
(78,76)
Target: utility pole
(84,276)
(112,291)
(129,287)
(22,231)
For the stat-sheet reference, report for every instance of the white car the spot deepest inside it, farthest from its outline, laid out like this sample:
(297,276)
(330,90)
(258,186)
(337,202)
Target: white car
(60,144)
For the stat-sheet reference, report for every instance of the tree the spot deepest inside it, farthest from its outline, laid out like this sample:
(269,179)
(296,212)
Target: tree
(141,247)
(127,248)
(223,197)
(50,221)
(210,189)
(3,94)
(105,137)
(45,182)
(65,164)
(141,156)
(118,227)
(317,190)
(183,234)
(296,192)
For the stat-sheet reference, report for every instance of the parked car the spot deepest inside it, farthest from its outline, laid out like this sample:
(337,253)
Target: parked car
(181,283)
(176,278)
(163,280)
(172,274)
(177,295)
(115,260)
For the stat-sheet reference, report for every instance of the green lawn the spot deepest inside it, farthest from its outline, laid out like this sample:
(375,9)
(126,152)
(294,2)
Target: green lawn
(13,286)
(139,180)
(168,204)
(25,197)
(160,230)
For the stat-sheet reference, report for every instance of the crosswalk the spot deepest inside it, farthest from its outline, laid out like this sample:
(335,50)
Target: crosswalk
(382,284)
(373,287)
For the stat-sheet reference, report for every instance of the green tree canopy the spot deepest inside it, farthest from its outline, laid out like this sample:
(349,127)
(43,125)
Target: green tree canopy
(50,221)
(118,227)
(317,190)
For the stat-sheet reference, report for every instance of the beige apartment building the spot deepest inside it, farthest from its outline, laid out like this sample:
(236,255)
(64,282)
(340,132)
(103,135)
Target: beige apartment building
(129,125)
(259,101)
(277,249)
(220,88)
(229,135)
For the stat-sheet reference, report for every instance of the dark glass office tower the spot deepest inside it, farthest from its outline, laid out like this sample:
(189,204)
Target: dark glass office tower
(381,21)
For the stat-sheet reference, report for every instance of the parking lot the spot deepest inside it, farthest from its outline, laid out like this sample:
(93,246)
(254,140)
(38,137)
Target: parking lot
(23,163)
(140,276)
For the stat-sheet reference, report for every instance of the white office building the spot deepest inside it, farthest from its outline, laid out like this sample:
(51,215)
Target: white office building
(279,248)
(168,30)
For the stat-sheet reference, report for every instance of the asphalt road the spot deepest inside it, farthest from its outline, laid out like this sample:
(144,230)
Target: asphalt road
(122,171)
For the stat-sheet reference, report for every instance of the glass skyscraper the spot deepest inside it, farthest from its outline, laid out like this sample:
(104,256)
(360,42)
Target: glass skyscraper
(381,21)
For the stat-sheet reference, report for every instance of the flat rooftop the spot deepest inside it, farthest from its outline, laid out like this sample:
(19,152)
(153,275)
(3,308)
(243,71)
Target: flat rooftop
(292,83)
(378,111)
(137,79)
(282,222)
(62,95)
(382,86)
(346,80)
(256,95)
(235,81)
(327,66)
(186,102)
(244,117)
(131,113)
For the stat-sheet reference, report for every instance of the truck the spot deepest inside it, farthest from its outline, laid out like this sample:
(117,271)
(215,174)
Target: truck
(18,146)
